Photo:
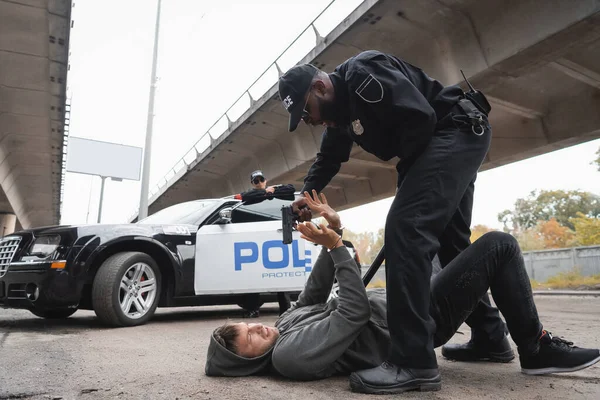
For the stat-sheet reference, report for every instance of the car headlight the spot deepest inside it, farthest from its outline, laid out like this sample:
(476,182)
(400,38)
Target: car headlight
(43,246)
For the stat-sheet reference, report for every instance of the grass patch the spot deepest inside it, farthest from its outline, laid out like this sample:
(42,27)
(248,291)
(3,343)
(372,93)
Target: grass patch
(379,283)
(568,280)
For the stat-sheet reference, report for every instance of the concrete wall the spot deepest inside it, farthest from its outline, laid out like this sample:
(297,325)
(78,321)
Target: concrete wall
(543,264)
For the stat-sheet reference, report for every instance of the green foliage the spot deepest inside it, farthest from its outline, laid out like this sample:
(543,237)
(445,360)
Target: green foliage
(587,230)
(547,204)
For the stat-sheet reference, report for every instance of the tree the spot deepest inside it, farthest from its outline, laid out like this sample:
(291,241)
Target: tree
(587,230)
(555,235)
(530,239)
(376,245)
(548,204)
(597,160)
(478,231)
(362,243)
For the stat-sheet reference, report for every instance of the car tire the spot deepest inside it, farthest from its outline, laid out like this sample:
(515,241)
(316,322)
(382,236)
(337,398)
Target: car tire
(118,288)
(58,313)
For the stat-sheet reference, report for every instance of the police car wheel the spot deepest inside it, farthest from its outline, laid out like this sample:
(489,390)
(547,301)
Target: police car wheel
(59,313)
(126,289)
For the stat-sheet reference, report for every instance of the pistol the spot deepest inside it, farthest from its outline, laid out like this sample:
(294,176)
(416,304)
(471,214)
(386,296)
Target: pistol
(287,223)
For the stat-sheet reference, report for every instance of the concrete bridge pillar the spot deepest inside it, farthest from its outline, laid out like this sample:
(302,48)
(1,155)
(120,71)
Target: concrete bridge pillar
(8,222)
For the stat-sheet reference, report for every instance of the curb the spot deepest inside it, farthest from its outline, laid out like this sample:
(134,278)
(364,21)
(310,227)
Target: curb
(582,293)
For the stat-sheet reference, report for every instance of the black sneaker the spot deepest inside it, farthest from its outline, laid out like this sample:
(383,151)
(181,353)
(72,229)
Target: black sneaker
(557,355)
(480,351)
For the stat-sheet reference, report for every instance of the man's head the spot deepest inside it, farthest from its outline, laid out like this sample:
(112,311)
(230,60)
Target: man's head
(258,180)
(308,94)
(246,340)
(240,349)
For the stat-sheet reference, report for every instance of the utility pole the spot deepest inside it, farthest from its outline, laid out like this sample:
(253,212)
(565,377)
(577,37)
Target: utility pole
(143,211)
(101,198)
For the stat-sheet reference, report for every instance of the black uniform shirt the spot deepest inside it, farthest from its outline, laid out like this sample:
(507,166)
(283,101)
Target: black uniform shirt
(252,196)
(392,110)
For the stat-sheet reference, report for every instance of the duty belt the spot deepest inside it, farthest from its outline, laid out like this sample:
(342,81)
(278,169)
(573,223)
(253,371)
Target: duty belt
(473,114)
(465,108)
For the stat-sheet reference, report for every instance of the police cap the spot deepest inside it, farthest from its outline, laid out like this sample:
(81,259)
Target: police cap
(293,86)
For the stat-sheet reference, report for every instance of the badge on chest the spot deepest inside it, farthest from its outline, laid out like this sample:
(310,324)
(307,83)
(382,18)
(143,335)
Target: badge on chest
(357,127)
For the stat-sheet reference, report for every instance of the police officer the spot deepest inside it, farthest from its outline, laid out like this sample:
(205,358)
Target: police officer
(393,109)
(260,191)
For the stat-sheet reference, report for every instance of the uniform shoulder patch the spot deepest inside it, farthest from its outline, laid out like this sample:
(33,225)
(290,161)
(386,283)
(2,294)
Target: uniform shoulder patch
(370,90)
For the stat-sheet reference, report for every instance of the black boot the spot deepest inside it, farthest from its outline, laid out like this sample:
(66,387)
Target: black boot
(389,379)
(251,313)
(480,350)
(556,355)
(284,302)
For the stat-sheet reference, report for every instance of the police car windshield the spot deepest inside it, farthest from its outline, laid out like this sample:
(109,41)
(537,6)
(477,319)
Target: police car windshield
(191,212)
(270,209)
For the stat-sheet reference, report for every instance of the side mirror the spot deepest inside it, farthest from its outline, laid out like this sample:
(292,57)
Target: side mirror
(225,216)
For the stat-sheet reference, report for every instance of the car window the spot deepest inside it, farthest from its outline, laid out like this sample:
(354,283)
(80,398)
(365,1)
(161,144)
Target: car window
(191,212)
(267,210)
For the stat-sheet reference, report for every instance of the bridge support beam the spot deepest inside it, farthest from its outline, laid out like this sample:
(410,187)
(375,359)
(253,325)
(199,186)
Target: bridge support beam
(8,221)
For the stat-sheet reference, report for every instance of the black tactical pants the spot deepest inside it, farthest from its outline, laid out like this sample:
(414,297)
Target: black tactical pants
(493,262)
(431,213)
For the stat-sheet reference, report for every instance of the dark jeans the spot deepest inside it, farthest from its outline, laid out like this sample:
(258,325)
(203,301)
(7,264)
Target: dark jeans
(493,262)
(431,213)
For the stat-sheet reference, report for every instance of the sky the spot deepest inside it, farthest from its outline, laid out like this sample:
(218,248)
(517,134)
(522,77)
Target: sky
(497,190)
(209,54)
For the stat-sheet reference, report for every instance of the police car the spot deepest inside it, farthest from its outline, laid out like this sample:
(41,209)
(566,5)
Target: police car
(203,252)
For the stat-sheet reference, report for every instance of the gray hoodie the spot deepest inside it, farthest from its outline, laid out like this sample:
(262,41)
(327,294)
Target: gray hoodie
(319,338)
(222,362)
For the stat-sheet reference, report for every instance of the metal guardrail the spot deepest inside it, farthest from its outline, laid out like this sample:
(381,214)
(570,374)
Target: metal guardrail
(182,163)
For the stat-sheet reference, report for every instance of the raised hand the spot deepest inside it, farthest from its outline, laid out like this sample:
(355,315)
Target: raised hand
(324,236)
(321,206)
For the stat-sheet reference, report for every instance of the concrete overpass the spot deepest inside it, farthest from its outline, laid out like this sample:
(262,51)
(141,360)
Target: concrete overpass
(538,61)
(34,49)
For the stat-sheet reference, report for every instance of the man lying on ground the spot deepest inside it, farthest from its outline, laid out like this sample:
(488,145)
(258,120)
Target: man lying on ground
(317,338)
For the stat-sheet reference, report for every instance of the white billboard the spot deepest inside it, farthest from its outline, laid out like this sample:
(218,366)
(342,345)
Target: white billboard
(111,160)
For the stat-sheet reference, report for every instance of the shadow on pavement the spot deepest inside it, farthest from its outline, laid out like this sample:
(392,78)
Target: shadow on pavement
(570,377)
(193,314)
(86,320)
(57,326)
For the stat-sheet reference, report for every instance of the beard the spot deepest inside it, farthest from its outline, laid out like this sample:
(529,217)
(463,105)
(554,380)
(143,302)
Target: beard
(330,111)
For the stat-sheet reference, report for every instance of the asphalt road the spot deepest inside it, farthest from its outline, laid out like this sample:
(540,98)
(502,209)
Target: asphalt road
(79,359)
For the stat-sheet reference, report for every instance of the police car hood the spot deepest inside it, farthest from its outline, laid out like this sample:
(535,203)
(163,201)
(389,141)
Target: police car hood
(222,362)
